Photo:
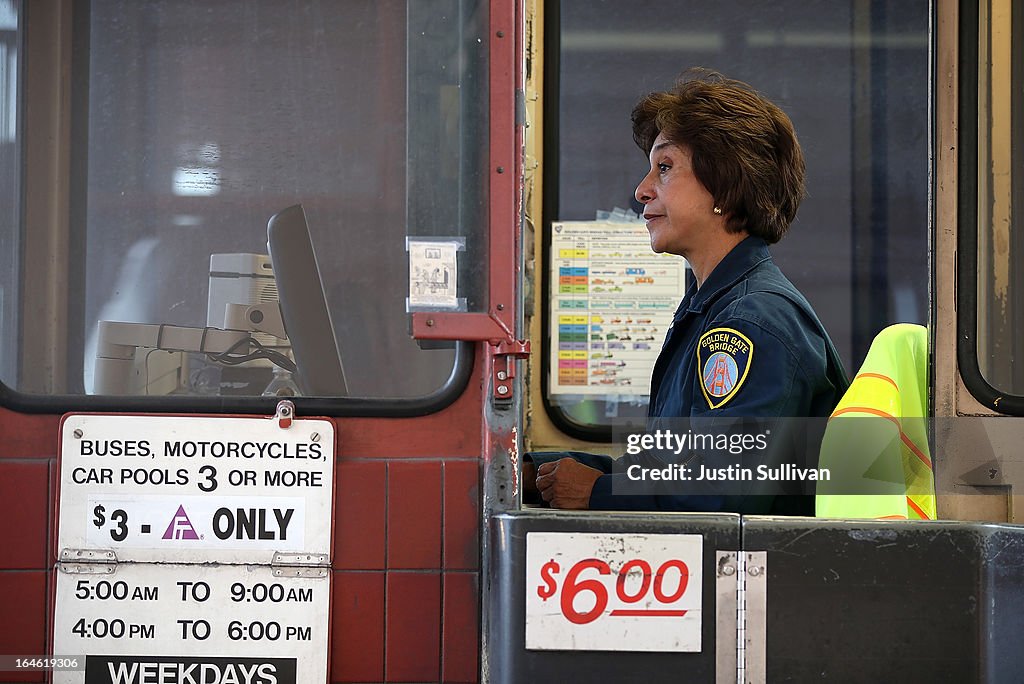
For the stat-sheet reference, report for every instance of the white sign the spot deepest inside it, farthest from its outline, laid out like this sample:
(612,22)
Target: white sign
(195,489)
(180,624)
(613,592)
(196,522)
(612,302)
(433,274)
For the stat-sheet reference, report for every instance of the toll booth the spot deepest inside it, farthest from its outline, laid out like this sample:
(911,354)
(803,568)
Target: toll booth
(777,600)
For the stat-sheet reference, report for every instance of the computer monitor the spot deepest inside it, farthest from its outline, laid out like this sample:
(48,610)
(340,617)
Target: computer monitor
(307,320)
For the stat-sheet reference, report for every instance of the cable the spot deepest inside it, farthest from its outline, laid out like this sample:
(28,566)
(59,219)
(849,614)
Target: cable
(260,352)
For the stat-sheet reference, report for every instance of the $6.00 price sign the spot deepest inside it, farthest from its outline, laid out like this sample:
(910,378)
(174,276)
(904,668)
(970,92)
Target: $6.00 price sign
(613,592)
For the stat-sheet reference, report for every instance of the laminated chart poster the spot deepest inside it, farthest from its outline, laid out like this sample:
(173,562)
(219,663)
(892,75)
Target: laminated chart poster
(612,301)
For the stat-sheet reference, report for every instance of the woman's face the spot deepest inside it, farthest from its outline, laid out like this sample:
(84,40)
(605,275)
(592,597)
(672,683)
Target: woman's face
(678,209)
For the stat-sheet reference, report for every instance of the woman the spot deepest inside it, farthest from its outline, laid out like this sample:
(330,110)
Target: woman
(726,178)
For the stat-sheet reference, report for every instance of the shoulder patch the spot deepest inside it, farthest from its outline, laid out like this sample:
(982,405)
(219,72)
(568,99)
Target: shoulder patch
(723,360)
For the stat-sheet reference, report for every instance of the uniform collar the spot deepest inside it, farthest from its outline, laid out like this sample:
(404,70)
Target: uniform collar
(737,263)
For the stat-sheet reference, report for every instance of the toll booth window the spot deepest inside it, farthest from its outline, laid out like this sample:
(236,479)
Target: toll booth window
(191,124)
(853,76)
(1000,238)
(9,179)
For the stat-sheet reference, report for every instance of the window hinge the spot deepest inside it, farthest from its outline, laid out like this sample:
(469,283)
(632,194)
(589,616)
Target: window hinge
(741,591)
(505,353)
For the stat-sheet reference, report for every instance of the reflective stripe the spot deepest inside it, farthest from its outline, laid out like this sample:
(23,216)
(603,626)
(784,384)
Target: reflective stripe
(879,376)
(893,386)
(917,452)
(865,409)
(882,414)
(917,509)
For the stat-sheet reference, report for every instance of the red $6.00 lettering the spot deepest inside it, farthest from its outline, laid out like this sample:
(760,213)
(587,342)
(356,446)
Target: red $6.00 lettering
(573,586)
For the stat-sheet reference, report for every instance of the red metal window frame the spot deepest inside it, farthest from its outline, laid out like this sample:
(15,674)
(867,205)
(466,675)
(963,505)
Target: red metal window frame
(496,325)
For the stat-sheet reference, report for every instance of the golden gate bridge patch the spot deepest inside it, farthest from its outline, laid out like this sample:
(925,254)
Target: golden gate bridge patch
(723,360)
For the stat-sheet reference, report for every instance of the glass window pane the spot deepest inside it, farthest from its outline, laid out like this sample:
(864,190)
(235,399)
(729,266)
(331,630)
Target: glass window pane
(202,120)
(853,77)
(9,183)
(1001,189)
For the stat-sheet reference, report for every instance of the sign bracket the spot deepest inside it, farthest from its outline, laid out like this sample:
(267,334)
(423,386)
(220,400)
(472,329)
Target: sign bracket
(88,556)
(87,562)
(311,565)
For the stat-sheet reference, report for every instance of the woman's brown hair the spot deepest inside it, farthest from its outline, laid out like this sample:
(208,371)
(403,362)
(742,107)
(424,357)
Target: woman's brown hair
(743,147)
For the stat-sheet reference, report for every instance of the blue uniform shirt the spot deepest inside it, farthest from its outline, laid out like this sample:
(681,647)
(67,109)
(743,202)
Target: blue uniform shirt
(746,344)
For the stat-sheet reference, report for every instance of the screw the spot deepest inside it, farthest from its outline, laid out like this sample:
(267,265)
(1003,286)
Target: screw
(501,34)
(78,434)
(502,390)
(501,307)
(315,436)
(754,571)
(430,322)
(501,169)
(728,570)
(502,375)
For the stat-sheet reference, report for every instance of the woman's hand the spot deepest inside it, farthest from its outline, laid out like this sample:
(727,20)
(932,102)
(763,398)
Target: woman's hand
(566,483)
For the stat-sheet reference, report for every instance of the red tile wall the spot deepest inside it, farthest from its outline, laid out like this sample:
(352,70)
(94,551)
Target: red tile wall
(462,515)
(23,628)
(406,544)
(24,510)
(357,646)
(27,435)
(413,640)
(360,519)
(414,514)
(460,638)
(406,581)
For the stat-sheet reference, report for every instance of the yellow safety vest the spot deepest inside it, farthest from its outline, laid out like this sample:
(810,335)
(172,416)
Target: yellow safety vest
(876,443)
